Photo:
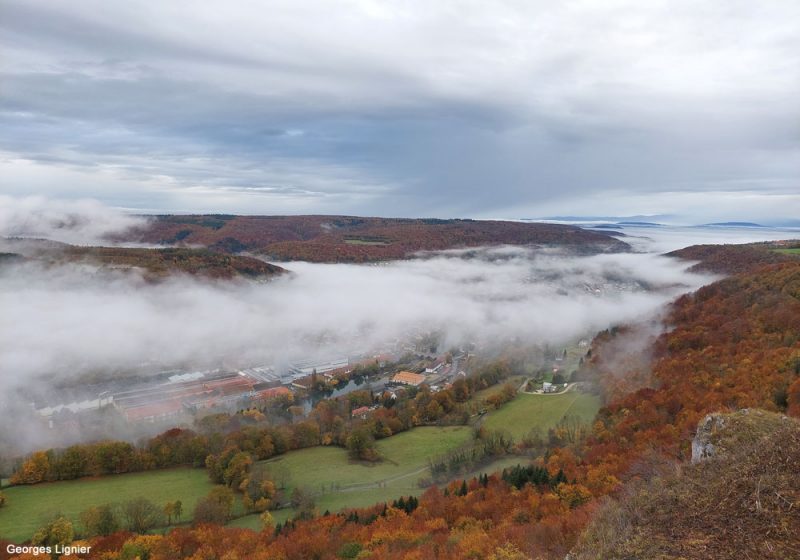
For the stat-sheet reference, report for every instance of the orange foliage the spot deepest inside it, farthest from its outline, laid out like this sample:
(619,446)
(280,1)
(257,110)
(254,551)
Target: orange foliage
(735,343)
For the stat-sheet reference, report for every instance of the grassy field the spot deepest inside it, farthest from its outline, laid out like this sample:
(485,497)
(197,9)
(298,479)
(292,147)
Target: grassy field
(340,483)
(526,412)
(484,394)
(795,251)
(322,469)
(398,480)
(326,471)
(28,507)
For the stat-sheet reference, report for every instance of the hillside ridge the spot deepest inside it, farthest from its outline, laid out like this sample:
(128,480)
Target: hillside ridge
(355,239)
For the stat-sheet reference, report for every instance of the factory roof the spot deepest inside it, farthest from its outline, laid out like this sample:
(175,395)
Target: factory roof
(408,378)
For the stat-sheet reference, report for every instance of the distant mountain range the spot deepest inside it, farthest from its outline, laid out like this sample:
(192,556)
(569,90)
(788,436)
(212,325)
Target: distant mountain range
(733,224)
(659,220)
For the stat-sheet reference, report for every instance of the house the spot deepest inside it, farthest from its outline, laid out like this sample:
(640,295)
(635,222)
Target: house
(271,393)
(436,366)
(408,378)
(360,412)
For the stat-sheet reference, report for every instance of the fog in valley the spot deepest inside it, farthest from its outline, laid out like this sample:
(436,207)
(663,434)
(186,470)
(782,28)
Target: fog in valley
(68,320)
(68,325)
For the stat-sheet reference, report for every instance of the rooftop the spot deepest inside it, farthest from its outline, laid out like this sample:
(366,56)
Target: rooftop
(408,378)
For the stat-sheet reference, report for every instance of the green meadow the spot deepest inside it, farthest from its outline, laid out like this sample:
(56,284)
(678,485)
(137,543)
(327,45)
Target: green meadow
(29,507)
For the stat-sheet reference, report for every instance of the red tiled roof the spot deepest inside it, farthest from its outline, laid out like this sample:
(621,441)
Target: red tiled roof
(165,408)
(272,393)
(408,378)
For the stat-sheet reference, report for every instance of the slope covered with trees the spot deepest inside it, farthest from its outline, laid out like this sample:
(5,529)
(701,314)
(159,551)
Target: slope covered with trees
(154,263)
(355,239)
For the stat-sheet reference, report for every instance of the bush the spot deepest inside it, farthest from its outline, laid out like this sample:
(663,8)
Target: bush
(58,532)
(361,446)
(349,550)
(216,507)
(141,515)
(99,521)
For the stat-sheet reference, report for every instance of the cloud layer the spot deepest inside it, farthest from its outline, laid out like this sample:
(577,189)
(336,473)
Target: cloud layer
(65,321)
(78,222)
(406,108)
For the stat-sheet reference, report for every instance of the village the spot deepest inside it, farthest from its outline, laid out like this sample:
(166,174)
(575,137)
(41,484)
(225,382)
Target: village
(173,397)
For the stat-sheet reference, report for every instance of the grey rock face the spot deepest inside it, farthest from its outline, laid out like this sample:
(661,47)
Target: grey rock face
(702,448)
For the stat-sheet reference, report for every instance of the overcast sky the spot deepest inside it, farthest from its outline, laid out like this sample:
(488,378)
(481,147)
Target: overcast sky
(406,108)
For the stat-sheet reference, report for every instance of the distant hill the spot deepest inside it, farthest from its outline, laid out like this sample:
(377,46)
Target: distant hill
(357,239)
(731,259)
(733,224)
(639,224)
(156,263)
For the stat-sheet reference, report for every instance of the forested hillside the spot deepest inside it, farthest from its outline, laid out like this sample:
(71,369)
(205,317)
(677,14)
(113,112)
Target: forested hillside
(154,263)
(355,239)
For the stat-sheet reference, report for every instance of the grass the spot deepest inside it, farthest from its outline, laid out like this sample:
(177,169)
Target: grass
(364,498)
(29,507)
(340,483)
(326,471)
(526,412)
(323,469)
(365,241)
(484,394)
(794,251)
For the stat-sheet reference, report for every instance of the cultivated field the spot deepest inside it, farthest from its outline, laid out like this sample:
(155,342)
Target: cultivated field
(29,507)
(526,412)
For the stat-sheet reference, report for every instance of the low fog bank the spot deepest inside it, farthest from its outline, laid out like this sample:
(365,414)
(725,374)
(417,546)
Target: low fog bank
(61,322)
(78,222)
(664,239)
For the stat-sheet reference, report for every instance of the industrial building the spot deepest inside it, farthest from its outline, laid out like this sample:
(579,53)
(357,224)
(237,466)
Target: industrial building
(305,368)
(408,378)
(168,400)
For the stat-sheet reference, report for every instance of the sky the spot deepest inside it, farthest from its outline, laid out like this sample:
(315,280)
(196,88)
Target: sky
(683,110)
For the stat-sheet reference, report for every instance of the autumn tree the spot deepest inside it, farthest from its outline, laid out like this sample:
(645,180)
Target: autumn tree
(169,511)
(303,503)
(33,470)
(259,491)
(361,446)
(267,521)
(216,507)
(141,514)
(58,532)
(177,509)
(99,521)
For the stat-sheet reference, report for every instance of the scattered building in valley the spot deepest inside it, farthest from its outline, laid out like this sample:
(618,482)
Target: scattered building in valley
(408,378)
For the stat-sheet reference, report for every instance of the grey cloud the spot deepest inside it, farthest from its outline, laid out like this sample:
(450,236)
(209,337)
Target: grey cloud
(400,108)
